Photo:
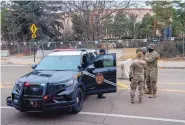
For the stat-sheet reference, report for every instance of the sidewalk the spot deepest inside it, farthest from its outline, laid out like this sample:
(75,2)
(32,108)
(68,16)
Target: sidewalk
(24,60)
(29,60)
(171,64)
(165,64)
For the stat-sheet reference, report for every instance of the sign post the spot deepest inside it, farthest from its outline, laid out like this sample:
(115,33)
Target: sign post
(33,29)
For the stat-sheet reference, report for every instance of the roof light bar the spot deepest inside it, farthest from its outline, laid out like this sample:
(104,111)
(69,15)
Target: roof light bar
(57,50)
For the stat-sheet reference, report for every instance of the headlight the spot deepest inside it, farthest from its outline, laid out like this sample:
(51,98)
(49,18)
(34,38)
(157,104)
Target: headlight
(64,84)
(18,85)
(69,83)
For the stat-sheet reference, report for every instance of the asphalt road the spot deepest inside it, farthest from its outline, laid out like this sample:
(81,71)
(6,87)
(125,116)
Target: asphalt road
(168,108)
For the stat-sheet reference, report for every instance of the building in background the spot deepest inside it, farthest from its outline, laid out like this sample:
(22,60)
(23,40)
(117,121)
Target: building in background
(138,12)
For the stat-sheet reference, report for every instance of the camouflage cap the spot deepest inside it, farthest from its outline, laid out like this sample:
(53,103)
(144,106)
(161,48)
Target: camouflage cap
(138,50)
(139,55)
(102,50)
(151,46)
(144,49)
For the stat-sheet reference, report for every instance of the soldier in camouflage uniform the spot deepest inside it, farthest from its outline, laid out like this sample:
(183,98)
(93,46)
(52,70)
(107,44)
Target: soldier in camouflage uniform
(144,51)
(136,76)
(151,58)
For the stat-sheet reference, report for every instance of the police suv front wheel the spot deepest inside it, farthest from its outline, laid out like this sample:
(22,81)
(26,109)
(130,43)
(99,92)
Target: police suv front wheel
(79,98)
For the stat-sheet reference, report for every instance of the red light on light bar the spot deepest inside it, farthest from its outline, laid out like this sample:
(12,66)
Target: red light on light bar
(26,84)
(45,97)
(57,50)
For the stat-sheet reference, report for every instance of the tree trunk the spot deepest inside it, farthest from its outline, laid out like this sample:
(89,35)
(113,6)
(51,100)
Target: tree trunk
(155,27)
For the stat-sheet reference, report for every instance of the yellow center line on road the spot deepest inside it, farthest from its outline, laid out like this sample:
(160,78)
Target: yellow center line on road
(1,86)
(6,86)
(121,86)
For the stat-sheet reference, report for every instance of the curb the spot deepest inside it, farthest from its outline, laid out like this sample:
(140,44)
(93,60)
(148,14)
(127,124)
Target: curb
(172,67)
(168,67)
(17,63)
(117,66)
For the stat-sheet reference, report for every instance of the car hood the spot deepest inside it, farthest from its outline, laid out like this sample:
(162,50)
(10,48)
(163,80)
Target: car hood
(40,77)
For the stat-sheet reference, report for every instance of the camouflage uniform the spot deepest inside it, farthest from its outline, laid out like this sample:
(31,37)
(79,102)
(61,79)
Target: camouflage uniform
(152,70)
(144,51)
(136,76)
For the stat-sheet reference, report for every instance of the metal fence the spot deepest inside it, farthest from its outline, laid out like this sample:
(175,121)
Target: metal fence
(30,47)
(166,48)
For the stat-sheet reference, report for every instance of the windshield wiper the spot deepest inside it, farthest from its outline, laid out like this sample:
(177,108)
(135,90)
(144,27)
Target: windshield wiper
(50,70)
(40,70)
(55,70)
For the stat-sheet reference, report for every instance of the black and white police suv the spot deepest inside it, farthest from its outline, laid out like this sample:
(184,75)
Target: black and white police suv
(62,79)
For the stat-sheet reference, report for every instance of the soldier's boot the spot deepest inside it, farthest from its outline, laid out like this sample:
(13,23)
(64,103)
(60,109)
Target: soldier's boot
(132,100)
(144,88)
(140,100)
(147,91)
(153,94)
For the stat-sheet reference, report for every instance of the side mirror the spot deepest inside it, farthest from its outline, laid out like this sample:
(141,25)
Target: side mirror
(34,66)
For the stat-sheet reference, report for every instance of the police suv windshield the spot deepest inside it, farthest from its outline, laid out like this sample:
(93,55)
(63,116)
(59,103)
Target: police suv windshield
(59,63)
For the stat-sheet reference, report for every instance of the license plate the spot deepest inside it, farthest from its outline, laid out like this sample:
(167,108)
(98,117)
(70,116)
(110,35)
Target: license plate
(34,104)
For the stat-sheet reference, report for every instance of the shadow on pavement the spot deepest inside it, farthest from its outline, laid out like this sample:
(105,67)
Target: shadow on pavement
(49,115)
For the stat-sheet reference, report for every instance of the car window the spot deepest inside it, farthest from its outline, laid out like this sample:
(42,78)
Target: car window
(96,53)
(85,60)
(104,61)
(59,63)
(91,56)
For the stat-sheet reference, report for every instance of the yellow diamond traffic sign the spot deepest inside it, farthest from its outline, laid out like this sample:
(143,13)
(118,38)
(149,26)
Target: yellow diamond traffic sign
(34,36)
(33,28)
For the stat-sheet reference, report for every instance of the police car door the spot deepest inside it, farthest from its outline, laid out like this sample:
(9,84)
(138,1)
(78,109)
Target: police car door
(101,75)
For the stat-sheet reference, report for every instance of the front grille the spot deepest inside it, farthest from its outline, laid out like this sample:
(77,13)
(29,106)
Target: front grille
(54,88)
(34,90)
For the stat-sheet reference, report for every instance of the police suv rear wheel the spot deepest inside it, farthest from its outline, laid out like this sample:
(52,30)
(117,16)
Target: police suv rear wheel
(79,98)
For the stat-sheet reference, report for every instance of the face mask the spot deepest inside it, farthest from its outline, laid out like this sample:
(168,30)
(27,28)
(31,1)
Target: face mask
(150,50)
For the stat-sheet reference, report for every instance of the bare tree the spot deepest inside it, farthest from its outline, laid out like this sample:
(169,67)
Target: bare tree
(94,14)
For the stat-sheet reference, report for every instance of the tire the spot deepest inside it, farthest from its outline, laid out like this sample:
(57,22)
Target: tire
(79,98)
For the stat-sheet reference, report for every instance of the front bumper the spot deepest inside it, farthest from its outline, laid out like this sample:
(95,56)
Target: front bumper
(44,105)
(22,102)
